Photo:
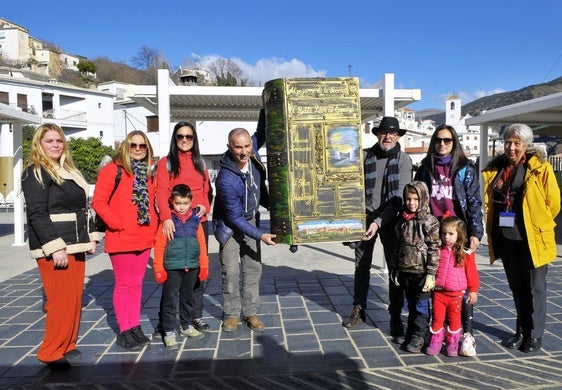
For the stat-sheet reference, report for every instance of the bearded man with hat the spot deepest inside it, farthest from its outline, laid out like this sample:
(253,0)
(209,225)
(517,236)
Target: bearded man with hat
(387,170)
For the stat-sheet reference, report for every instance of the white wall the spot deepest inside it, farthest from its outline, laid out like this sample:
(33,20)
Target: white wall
(97,108)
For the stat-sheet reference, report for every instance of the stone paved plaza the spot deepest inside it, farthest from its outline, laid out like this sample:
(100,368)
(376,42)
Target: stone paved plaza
(304,297)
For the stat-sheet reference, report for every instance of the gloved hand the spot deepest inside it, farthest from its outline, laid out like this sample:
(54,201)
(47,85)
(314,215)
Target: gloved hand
(350,244)
(429,283)
(393,275)
(160,276)
(203,273)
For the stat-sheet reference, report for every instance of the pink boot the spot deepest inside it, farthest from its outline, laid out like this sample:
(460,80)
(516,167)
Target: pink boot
(453,342)
(436,341)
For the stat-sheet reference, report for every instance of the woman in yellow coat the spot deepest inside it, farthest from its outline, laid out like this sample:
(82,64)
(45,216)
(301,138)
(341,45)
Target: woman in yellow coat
(522,199)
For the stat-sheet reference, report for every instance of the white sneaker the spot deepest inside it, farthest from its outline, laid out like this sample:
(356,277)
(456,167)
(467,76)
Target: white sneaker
(190,332)
(170,340)
(468,345)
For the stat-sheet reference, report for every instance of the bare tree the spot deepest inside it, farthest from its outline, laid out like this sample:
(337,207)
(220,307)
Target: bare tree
(147,57)
(227,73)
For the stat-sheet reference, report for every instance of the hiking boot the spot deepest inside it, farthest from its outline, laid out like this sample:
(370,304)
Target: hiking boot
(254,323)
(515,341)
(356,317)
(127,341)
(170,340)
(200,325)
(415,345)
(230,324)
(190,332)
(139,336)
(531,345)
(399,339)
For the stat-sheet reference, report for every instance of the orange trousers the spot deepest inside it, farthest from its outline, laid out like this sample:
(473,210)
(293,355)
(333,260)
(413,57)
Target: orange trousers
(63,290)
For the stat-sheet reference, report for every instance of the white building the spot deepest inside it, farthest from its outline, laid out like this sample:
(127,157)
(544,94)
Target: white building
(22,51)
(79,112)
(128,115)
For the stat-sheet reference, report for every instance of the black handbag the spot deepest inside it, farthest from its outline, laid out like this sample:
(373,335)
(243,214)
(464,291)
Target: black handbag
(99,224)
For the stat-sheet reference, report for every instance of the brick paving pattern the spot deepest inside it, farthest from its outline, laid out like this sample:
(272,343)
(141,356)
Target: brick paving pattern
(304,345)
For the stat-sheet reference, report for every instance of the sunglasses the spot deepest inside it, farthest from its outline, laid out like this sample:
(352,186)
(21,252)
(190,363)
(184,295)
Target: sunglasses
(447,141)
(139,146)
(188,137)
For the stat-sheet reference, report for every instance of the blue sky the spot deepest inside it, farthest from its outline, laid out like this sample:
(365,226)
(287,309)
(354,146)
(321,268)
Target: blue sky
(471,49)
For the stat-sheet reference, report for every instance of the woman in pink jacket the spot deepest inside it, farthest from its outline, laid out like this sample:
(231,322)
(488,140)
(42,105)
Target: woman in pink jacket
(131,220)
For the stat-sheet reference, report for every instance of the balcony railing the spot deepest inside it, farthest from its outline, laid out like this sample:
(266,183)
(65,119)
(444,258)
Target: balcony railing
(25,108)
(65,115)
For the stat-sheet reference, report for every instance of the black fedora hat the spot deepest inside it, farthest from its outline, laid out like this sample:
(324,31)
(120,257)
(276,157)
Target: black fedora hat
(388,124)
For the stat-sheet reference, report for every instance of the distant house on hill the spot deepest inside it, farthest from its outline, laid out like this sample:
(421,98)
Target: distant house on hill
(19,50)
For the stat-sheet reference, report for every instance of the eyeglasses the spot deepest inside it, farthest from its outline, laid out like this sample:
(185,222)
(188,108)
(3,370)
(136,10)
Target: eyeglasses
(389,133)
(139,146)
(188,137)
(447,141)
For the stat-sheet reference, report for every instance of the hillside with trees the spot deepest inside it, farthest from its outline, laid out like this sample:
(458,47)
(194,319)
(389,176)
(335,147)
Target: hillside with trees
(143,67)
(486,103)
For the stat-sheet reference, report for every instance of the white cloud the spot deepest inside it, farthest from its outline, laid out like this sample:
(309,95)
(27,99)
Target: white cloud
(273,68)
(266,68)
(480,93)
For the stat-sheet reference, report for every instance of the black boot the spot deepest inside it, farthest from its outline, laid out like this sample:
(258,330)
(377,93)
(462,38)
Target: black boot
(139,336)
(127,341)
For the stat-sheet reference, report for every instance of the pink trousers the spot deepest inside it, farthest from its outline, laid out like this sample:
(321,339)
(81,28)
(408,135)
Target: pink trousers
(129,269)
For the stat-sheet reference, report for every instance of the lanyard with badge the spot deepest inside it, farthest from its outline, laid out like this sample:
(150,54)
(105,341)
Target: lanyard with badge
(507,217)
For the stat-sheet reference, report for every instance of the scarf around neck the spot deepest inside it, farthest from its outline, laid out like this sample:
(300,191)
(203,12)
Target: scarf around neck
(140,191)
(391,174)
(443,160)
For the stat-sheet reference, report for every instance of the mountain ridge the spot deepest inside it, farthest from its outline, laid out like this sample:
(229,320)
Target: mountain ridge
(501,99)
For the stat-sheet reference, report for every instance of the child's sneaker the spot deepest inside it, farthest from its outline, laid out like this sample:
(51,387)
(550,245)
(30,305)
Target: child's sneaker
(200,325)
(170,340)
(415,345)
(468,345)
(190,332)
(157,334)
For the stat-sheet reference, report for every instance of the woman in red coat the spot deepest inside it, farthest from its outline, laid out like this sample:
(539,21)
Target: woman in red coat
(131,220)
(184,165)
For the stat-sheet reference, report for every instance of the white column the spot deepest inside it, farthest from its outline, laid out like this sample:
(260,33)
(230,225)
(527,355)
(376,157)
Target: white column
(388,93)
(482,162)
(5,140)
(163,96)
(18,169)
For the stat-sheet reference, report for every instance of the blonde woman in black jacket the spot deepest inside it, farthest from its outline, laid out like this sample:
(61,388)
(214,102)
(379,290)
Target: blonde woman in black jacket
(56,196)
